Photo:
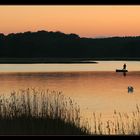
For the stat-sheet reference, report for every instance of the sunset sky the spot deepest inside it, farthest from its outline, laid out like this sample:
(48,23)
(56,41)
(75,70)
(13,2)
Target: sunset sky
(87,21)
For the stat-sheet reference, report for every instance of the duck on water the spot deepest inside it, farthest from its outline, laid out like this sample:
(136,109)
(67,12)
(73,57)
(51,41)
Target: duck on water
(122,70)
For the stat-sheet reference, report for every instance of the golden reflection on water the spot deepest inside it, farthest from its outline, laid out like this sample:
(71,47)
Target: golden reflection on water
(99,66)
(100,92)
(95,87)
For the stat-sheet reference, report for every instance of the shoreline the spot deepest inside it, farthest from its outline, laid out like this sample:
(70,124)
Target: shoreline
(61,60)
(44,61)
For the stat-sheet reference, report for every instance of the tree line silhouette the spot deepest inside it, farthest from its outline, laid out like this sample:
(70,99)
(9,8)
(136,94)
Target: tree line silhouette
(44,44)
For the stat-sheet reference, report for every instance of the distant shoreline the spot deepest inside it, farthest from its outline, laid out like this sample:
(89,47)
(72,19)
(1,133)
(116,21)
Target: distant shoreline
(45,60)
(61,60)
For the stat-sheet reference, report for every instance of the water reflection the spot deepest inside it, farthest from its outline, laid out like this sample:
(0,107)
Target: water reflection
(94,86)
(97,91)
(100,66)
(124,73)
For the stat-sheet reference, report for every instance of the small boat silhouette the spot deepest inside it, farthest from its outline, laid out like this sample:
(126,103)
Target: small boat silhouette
(121,70)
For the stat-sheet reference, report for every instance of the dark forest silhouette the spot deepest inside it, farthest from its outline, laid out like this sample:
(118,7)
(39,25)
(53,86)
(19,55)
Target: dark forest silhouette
(44,44)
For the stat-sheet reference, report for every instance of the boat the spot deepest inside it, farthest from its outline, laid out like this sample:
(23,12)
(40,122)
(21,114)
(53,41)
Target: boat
(121,70)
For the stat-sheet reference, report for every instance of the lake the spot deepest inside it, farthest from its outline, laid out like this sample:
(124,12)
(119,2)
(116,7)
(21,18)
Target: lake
(95,87)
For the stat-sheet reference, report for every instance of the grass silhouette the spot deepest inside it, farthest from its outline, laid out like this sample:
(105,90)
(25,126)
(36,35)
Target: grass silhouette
(121,123)
(34,112)
(39,112)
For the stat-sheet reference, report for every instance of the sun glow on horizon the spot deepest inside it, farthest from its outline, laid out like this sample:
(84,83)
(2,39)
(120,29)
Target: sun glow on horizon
(86,21)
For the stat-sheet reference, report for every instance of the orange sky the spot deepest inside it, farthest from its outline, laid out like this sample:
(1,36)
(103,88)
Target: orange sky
(87,21)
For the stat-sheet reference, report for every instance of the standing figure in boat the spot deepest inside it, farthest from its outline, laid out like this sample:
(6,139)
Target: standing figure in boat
(124,66)
(124,69)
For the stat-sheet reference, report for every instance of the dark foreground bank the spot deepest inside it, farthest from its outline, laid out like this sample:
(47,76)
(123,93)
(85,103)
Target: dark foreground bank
(27,125)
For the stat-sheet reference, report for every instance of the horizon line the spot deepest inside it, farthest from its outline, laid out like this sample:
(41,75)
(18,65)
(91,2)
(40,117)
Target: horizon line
(96,37)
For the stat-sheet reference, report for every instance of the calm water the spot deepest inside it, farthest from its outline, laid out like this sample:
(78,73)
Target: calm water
(95,87)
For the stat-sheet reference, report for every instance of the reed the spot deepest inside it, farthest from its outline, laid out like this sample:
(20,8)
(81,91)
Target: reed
(39,112)
(45,112)
(121,124)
